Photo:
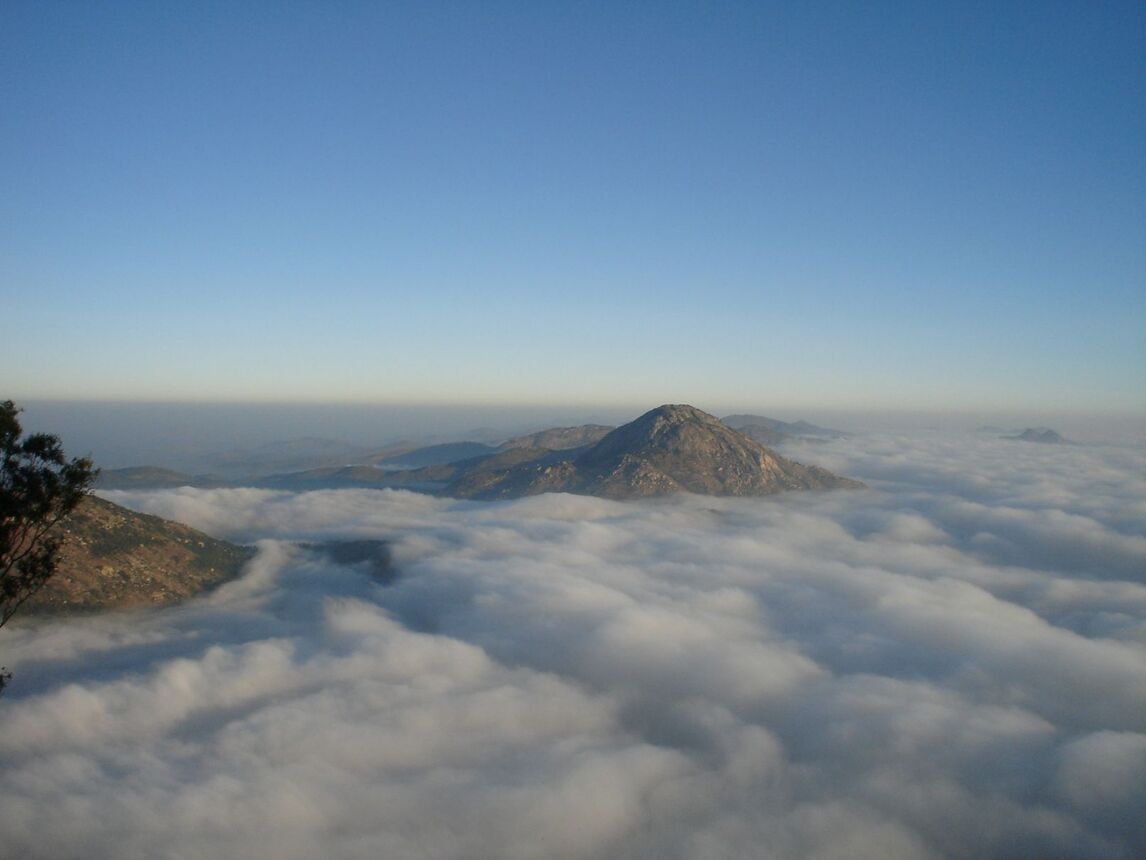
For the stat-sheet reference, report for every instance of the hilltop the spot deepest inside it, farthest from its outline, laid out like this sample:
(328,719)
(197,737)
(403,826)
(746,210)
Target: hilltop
(1041,435)
(673,448)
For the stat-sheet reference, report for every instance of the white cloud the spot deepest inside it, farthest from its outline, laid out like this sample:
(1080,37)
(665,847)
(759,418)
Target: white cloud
(952,663)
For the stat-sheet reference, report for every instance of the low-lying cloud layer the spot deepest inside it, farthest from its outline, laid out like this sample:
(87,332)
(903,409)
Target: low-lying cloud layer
(950,664)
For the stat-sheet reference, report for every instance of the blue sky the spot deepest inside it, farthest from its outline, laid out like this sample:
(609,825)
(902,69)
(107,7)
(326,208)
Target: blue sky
(910,206)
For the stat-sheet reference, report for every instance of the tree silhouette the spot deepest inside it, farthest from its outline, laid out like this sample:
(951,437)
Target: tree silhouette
(39,486)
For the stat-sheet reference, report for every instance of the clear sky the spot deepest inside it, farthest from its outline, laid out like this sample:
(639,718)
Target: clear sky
(904,205)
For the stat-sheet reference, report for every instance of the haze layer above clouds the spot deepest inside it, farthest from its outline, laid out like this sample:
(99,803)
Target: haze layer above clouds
(952,663)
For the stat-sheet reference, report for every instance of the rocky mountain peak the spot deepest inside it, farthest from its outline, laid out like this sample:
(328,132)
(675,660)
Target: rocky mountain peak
(673,431)
(1041,434)
(671,414)
(669,449)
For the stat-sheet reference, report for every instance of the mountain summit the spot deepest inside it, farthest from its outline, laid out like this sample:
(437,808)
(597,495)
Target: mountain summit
(1042,435)
(673,448)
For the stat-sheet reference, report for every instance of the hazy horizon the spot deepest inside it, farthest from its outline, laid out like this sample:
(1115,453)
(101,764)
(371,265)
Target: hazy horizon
(180,435)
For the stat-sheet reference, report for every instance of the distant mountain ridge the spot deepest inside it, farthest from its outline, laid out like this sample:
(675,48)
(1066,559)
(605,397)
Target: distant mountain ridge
(289,455)
(669,449)
(428,479)
(154,478)
(431,455)
(771,431)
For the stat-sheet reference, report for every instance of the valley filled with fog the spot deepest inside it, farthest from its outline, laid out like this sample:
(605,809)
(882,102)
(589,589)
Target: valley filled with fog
(950,663)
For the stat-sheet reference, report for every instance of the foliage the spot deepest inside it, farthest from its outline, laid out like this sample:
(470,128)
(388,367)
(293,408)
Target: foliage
(38,488)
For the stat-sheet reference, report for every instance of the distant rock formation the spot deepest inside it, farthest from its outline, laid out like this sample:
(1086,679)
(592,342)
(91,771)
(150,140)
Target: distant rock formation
(1041,435)
(114,558)
(669,449)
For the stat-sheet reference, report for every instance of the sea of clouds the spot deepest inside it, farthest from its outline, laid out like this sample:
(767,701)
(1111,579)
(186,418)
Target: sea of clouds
(951,663)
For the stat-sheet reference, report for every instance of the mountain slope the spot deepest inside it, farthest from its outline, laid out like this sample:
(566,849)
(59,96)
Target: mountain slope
(669,449)
(114,558)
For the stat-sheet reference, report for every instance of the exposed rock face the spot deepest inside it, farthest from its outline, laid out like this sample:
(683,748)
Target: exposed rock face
(667,450)
(115,558)
(561,438)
